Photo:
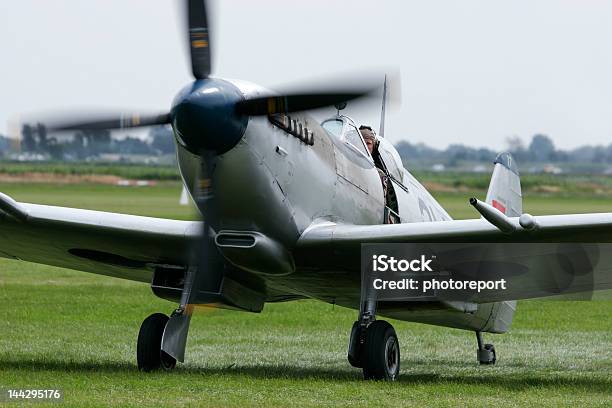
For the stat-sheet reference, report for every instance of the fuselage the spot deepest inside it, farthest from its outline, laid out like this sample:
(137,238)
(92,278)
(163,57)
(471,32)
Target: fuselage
(287,184)
(290,172)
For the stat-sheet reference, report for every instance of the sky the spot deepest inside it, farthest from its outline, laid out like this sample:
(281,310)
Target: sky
(472,72)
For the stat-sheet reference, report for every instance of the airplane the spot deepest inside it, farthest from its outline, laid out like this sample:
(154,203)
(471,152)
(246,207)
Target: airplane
(287,202)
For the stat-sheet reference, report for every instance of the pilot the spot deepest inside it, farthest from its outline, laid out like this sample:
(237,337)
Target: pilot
(369,137)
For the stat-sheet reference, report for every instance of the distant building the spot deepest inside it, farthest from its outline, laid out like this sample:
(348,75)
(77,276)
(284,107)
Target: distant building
(551,169)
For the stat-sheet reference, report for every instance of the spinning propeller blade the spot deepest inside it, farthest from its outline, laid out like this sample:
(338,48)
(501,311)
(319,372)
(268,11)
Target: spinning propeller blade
(199,40)
(268,105)
(109,121)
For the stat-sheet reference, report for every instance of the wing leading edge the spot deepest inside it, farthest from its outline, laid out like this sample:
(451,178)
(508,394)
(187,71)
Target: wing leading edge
(595,227)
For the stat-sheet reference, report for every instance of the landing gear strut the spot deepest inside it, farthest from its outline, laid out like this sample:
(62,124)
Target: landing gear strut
(486,352)
(374,346)
(162,339)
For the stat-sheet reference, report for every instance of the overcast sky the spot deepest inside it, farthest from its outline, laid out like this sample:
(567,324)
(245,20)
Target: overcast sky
(472,72)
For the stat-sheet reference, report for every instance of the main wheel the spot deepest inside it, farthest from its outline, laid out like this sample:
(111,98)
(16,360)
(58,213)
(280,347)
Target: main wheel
(148,351)
(381,352)
(354,350)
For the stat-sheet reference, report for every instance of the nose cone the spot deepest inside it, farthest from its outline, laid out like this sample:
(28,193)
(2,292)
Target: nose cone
(204,116)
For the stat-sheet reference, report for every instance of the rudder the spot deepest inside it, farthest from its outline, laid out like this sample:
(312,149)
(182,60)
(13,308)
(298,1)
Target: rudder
(505,187)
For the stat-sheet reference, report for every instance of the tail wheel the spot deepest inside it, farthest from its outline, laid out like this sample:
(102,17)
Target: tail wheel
(381,352)
(487,356)
(148,351)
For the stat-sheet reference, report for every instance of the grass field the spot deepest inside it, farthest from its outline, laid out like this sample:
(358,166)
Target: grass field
(131,171)
(76,331)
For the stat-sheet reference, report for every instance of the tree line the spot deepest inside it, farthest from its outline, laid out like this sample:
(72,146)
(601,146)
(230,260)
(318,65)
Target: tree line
(541,149)
(83,144)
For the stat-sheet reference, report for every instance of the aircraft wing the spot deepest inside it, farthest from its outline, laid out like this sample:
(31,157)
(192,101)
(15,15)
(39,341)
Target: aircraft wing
(581,262)
(549,228)
(119,245)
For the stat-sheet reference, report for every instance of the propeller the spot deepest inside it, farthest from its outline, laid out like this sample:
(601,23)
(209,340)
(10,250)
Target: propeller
(199,40)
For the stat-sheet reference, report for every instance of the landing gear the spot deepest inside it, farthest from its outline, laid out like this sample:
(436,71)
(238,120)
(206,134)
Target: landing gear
(149,354)
(486,353)
(374,346)
(376,350)
(162,339)
(381,357)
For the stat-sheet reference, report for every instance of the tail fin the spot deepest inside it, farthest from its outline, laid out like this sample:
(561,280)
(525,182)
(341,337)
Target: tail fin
(505,195)
(505,186)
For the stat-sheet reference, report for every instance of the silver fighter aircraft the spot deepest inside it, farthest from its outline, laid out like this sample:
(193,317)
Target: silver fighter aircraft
(286,203)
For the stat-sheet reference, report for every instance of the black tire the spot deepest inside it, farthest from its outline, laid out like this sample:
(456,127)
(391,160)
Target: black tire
(148,351)
(354,351)
(491,348)
(381,352)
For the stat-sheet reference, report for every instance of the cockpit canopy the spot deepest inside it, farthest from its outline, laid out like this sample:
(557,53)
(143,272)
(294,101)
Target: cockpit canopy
(343,128)
(391,158)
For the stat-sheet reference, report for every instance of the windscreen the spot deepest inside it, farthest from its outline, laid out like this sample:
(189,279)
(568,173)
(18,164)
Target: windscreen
(333,127)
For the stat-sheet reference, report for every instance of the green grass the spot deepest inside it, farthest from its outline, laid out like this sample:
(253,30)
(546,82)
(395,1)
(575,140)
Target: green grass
(161,200)
(563,184)
(457,203)
(130,171)
(77,331)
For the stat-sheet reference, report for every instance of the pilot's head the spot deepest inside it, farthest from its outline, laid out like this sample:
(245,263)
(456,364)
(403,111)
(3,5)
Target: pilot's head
(369,137)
